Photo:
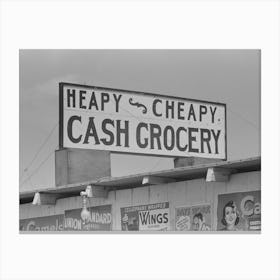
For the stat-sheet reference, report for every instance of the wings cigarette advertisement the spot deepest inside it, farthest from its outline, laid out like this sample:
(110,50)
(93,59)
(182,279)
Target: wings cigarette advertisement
(145,217)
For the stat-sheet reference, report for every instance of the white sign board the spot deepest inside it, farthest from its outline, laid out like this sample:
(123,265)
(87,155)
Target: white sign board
(132,122)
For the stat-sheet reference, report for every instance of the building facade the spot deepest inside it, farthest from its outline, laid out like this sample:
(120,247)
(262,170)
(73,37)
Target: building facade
(189,198)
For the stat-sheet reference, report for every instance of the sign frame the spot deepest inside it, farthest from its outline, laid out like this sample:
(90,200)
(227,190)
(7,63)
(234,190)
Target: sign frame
(61,114)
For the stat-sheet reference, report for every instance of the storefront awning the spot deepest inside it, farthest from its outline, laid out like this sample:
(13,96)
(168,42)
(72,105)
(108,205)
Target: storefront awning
(133,181)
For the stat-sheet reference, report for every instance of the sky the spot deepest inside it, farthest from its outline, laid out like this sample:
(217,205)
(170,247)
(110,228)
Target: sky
(227,76)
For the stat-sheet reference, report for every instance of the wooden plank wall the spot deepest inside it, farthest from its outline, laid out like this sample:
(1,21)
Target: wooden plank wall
(186,193)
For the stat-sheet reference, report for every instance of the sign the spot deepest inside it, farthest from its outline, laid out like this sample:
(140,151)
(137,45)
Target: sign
(196,218)
(132,122)
(47,223)
(100,219)
(239,211)
(145,217)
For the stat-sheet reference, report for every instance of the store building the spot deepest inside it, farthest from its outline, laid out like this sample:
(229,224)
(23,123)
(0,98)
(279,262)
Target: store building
(162,200)
(204,191)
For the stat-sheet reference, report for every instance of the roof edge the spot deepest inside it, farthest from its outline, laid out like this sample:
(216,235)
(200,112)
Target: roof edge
(180,173)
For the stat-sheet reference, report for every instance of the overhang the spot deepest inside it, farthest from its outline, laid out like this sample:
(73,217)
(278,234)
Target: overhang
(133,181)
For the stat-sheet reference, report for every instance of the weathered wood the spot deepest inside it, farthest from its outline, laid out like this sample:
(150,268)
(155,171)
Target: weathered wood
(97,191)
(186,193)
(81,165)
(44,199)
(218,174)
(152,180)
(193,161)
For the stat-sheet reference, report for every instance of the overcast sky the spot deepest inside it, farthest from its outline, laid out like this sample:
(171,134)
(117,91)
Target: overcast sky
(227,76)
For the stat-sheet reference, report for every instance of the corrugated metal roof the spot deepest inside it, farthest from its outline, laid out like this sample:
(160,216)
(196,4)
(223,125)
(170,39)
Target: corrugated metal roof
(132,181)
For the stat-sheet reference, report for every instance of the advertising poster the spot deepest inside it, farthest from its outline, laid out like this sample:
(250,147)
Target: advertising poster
(194,218)
(145,217)
(239,211)
(100,219)
(47,223)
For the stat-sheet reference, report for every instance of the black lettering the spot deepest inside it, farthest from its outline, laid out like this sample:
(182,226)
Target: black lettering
(104,99)
(165,137)
(82,97)
(71,96)
(93,102)
(143,217)
(159,218)
(191,113)
(169,107)
(91,131)
(178,138)
(205,138)
(191,139)
(70,129)
(202,111)
(110,141)
(216,137)
(154,107)
(138,135)
(153,219)
(117,99)
(213,113)
(165,218)
(180,110)
(155,133)
(122,131)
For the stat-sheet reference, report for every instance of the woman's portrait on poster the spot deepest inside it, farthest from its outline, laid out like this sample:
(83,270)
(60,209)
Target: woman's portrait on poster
(230,217)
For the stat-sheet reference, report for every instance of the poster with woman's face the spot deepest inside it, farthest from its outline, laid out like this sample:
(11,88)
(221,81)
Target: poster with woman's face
(239,211)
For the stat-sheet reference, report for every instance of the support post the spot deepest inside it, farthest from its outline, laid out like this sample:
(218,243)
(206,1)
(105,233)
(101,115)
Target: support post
(44,198)
(218,174)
